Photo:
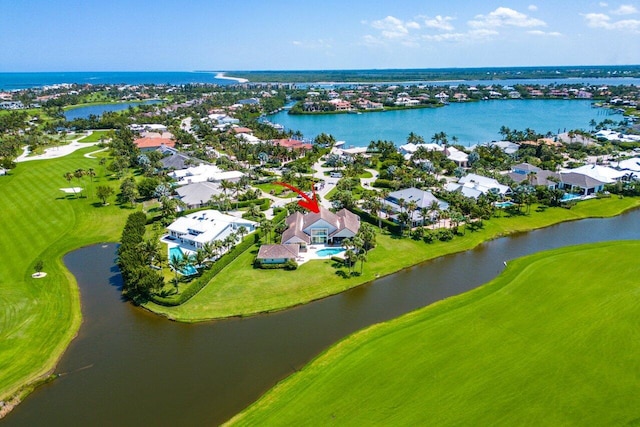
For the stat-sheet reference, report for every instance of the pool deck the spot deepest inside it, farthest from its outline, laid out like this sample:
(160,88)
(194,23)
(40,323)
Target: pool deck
(311,253)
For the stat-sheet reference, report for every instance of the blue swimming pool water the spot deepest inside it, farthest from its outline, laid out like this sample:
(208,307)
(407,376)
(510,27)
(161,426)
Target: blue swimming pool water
(568,196)
(504,204)
(186,271)
(329,251)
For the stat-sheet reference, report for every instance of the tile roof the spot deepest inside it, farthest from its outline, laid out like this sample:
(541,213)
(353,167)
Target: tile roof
(279,251)
(153,142)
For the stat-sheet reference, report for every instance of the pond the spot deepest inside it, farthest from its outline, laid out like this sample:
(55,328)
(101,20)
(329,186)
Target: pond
(99,109)
(128,367)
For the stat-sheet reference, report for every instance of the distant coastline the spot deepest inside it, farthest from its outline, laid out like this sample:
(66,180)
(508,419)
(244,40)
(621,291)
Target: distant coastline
(223,76)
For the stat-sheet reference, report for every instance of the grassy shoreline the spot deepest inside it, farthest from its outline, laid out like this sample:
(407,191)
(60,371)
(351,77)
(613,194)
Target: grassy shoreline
(484,356)
(241,291)
(39,318)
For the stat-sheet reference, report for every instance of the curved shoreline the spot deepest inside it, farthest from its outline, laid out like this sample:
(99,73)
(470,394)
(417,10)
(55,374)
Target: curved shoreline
(166,311)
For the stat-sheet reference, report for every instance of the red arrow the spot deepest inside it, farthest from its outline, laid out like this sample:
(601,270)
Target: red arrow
(306,202)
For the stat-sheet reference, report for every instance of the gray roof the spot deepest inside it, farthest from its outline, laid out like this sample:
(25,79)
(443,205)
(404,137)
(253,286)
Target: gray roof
(198,193)
(173,159)
(579,180)
(525,167)
(423,199)
(539,177)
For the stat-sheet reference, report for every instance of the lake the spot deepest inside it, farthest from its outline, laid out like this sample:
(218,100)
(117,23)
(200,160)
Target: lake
(128,367)
(99,109)
(471,122)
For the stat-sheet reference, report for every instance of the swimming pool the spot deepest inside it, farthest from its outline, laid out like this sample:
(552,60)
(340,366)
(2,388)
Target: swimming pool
(502,205)
(568,196)
(189,269)
(329,251)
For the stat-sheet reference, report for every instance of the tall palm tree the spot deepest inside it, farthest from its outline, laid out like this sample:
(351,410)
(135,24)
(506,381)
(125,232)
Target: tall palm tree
(242,231)
(177,263)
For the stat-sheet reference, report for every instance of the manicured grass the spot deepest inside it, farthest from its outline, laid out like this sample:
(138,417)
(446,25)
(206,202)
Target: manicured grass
(39,317)
(279,190)
(552,341)
(240,290)
(96,135)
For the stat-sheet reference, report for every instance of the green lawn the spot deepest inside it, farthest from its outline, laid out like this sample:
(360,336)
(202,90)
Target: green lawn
(279,190)
(39,317)
(96,135)
(240,290)
(552,341)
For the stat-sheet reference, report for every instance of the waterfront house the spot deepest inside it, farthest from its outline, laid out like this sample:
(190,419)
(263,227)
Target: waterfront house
(585,185)
(324,227)
(278,254)
(398,201)
(601,173)
(292,144)
(192,231)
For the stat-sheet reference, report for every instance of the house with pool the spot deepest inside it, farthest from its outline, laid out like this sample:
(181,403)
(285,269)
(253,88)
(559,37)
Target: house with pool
(191,232)
(308,235)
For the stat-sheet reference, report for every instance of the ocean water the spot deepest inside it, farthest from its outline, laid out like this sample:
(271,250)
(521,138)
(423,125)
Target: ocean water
(11,81)
(471,123)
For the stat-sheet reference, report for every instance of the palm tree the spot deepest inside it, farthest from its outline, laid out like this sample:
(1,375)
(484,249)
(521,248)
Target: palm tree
(424,213)
(177,263)
(69,177)
(434,209)
(266,227)
(226,185)
(242,231)
(200,257)
(362,257)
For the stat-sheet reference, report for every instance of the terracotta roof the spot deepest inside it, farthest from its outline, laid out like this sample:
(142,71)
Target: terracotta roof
(278,251)
(292,143)
(241,130)
(154,142)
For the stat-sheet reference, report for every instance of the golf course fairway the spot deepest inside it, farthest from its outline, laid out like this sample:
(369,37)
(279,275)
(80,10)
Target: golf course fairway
(553,340)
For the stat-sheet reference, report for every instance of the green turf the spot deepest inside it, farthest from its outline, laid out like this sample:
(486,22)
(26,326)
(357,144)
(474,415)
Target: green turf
(96,135)
(38,317)
(552,341)
(240,290)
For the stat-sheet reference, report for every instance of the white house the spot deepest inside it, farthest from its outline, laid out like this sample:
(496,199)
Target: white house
(202,173)
(601,173)
(473,186)
(422,199)
(194,230)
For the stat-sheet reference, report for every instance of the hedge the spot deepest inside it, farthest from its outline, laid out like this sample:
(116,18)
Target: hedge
(208,275)
(374,220)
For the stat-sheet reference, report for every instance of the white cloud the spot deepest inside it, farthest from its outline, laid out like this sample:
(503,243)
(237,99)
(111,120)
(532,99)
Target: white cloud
(603,4)
(504,16)
(394,28)
(532,7)
(313,44)
(439,23)
(470,36)
(600,20)
(625,9)
(544,33)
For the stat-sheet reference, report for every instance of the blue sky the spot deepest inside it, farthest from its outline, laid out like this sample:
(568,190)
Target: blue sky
(73,35)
